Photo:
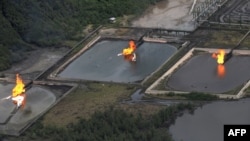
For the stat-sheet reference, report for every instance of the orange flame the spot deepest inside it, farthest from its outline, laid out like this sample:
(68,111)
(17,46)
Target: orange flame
(129,53)
(220,56)
(18,95)
(130,50)
(221,71)
(19,88)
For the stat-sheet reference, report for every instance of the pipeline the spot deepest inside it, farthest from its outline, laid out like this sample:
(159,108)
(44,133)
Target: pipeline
(230,53)
(140,40)
(192,8)
(28,85)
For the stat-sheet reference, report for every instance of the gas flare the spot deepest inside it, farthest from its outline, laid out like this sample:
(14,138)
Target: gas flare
(129,53)
(19,88)
(220,56)
(18,92)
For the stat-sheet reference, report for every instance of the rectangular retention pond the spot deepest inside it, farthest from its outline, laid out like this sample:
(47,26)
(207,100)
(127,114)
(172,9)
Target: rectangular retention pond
(39,99)
(201,73)
(198,71)
(101,63)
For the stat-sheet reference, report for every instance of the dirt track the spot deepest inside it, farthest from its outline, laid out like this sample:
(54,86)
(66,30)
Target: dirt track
(171,14)
(37,60)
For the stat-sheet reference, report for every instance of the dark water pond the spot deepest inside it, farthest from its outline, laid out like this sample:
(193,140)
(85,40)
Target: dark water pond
(101,62)
(200,74)
(206,123)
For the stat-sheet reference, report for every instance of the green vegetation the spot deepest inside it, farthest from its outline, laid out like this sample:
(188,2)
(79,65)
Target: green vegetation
(200,96)
(195,96)
(49,23)
(226,39)
(4,57)
(85,101)
(112,125)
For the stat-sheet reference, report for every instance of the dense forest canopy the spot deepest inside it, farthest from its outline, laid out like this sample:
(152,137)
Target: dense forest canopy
(113,125)
(49,22)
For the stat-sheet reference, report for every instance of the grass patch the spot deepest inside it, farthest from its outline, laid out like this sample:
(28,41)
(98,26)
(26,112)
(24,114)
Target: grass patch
(145,110)
(246,43)
(199,96)
(167,96)
(195,96)
(225,39)
(69,43)
(84,101)
(161,85)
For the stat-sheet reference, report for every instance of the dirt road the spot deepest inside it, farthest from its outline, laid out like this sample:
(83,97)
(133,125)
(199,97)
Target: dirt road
(170,14)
